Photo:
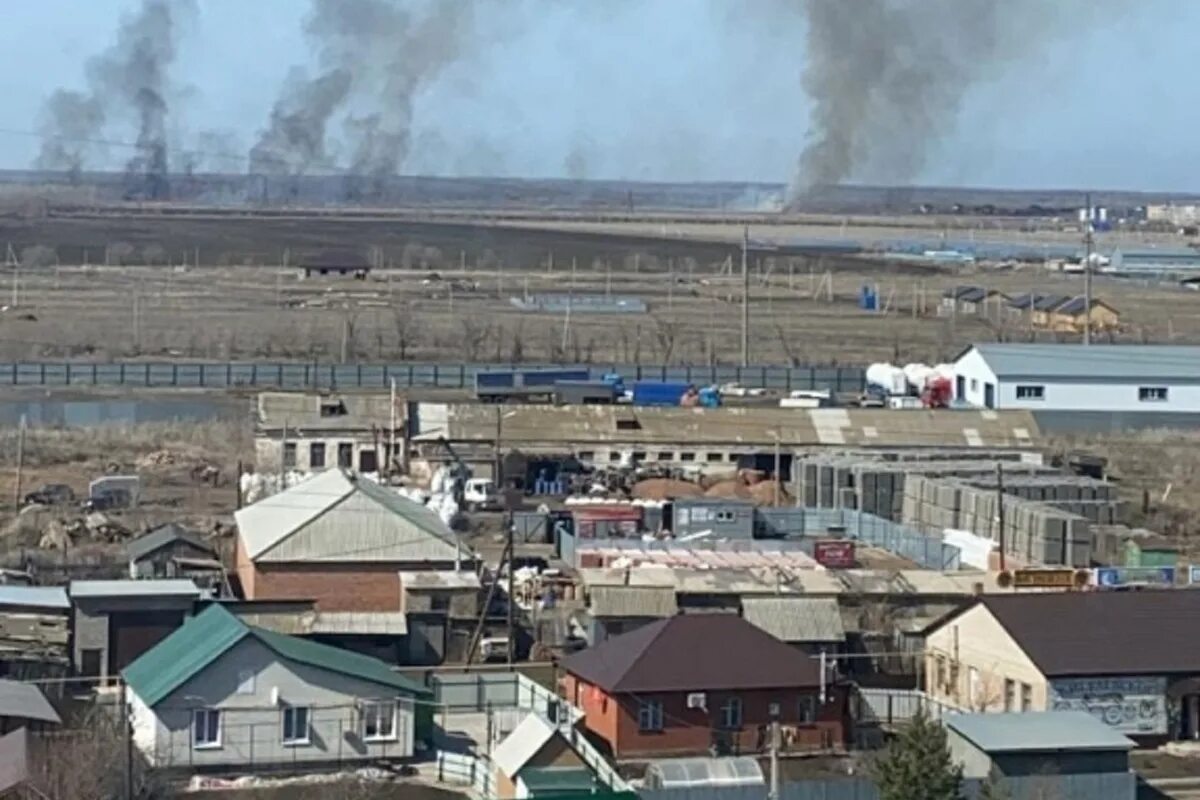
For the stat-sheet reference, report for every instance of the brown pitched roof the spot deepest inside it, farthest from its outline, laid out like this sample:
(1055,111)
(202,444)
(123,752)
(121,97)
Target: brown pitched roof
(1104,633)
(694,652)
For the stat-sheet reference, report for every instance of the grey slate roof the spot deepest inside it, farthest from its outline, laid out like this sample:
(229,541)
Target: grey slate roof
(336,516)
(1096,363)
(175,587)
(796,619)
(34,596)
(162,536)
(1042,731)
(25,701)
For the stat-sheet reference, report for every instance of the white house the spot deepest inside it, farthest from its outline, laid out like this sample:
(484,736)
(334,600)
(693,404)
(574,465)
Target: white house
(218,693)
(1073,377)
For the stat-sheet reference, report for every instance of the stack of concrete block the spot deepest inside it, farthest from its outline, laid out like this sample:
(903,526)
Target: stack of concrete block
(1033,532)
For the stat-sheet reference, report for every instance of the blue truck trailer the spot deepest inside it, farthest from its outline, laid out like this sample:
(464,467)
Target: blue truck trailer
(524,384)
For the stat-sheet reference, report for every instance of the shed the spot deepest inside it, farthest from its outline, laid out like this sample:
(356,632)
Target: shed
(713,518)
(1025,744)
(22,704)
(170,551)
(536,760)
(691,773)
(1144,548)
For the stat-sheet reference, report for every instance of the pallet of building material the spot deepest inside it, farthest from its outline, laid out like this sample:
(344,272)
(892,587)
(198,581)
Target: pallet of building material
(34,628)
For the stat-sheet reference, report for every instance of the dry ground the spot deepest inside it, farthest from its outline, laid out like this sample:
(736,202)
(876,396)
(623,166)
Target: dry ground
(800,313)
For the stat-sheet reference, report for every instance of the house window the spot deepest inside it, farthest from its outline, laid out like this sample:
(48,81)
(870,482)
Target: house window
(246,682)
(206,728)
(1031,392)
(687,456)
(940,673)
(379,720)
(586,456)
(726,516)
(439,601)
(650,716)
(731,713)
(346,455)
(334,409)
(639,456)
(974,384)
(614,456)
(808,709)
(1152,394)
(1026,697)
(713,458)
(1010,694)
(289,455)
(316,455)
(666,455)
(973,686)
(628,425)
(295,725)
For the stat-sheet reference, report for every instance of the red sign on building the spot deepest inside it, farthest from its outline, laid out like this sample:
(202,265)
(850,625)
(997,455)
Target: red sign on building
(834,553)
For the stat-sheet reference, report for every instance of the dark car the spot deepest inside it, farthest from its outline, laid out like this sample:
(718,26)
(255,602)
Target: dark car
(52,494)
(108,499)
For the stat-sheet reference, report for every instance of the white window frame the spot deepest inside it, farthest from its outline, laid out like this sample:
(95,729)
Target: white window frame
(295,741)
(1153,394)
(370,709)
(731,714)
(1030,391)
(208,714)
(650,716)
(245,682)
(808,709)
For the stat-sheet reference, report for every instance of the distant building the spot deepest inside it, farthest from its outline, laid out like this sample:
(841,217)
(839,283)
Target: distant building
(1156,262)
(812,625)
(1131,658)
(172,551)
(1071,377)
(971,301)
(536,760)
(1063,754)
(312,432)
(713,518)
(1073,315)
(698,683)
(341,263)
(222,694)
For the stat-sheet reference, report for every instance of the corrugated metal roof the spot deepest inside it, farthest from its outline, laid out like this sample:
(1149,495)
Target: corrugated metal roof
(338,516)
(633,601)
(796,619)
(203,639)
(440,579)
(360,622)
(162,536)
(1096,363)
(530,736)
(534,427)
(1037,732)
(175,587)
(25,701)
(34,596)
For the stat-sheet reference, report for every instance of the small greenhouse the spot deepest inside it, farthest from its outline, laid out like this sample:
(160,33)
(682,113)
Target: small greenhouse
(682,773)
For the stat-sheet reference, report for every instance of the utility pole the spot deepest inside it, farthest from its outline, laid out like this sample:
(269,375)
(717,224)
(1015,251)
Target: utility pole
(20,464)
(774,790)
(512,597)
(746,296)
(778,477)
(392,460)
(1000,507)
(127,731)
(1087,271)
(16,281)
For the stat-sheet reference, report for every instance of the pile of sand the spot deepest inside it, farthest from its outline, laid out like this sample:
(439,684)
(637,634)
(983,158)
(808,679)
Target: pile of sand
(665,489)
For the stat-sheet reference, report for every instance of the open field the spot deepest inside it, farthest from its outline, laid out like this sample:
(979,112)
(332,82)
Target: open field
(800,313)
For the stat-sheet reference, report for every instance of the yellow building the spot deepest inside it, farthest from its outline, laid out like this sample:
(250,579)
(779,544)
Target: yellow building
(1131,658)
(1071,317)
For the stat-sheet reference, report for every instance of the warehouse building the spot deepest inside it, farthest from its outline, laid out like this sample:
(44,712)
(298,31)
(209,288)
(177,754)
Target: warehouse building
(1067,377)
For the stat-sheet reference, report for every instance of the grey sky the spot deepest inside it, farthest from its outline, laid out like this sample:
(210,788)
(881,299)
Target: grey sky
(656,90)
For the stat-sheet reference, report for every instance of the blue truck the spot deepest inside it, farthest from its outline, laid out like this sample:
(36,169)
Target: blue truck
(673,394)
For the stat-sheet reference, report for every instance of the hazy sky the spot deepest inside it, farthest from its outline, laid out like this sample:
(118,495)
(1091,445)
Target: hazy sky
(659,90)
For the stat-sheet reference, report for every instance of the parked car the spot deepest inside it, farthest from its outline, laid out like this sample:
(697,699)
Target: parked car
(107,500)
(52,494)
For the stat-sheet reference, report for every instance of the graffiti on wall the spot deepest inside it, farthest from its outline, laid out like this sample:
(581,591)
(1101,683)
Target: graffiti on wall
(1129,704)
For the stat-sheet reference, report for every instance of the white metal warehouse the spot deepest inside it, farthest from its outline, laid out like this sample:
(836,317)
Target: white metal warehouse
(1072,377)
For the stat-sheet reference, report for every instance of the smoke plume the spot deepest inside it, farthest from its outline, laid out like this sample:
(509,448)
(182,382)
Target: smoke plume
(887,77)
(130,79)
(374,57)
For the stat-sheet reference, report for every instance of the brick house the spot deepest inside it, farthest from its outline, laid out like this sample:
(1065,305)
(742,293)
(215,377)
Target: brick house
(352,546)
(693,684)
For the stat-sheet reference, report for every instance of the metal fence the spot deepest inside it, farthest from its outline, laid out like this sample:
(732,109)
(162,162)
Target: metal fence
(463,769)
(296,376)
(891,707)
(808,524)
(1110,786)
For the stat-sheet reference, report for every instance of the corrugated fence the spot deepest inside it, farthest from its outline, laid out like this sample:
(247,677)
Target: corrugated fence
(808,524)
(296,376)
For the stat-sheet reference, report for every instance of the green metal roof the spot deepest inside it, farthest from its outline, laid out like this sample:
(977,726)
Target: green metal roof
(545,781)
(209,635)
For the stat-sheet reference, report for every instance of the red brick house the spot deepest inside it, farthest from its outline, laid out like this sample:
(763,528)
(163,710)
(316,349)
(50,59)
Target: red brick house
(695,683)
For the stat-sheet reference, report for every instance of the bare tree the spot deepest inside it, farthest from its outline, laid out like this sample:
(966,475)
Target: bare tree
(153,254)
(666,333)
(408,331)
(38,255)
(120,253)
(349,349)
(786,344)
(516,353)
(410,256)
(474,336)
(88,762)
